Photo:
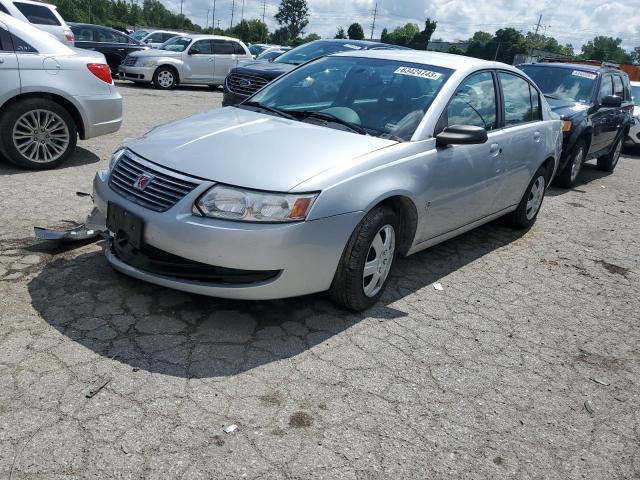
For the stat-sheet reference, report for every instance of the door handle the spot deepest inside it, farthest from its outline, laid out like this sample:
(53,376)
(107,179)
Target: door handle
(495,150)
(1,60)
(536,136)
(121,49)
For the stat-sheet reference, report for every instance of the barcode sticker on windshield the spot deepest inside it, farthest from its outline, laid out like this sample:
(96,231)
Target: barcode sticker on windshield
(351,46)
(578,73)
(418,72)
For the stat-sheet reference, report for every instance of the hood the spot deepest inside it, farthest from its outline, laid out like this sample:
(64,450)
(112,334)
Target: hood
(154,52)
(269,70)
(566,108)
(252,150)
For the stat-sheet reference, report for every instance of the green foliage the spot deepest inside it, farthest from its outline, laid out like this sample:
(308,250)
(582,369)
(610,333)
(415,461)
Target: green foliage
(340,33)
(422,39)
(402,36)
(302,40)
(384,36)
(355,32)
(605,49)
(281,36)
(455,50)
(251,31)
(503,46)
(294,16)
(548,44)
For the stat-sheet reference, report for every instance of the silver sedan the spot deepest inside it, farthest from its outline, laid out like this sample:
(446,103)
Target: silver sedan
(322,178)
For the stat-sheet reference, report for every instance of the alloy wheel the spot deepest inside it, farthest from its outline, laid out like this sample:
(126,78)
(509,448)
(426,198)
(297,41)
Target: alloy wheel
(576,164)
(41,136)
(536,194)
(165,79)
(379,259)
(616,153)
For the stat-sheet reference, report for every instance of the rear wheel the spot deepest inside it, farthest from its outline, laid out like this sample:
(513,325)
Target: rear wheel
(364,268)
(37,134)
(569,174)
(608,162)
(165,78)
(529,207)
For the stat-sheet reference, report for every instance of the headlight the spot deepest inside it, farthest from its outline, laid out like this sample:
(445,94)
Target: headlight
(115,157)
(149,63)
(232,203)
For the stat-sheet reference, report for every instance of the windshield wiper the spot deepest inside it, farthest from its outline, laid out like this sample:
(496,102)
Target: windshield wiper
(277,111)
(553,96)
(329,117)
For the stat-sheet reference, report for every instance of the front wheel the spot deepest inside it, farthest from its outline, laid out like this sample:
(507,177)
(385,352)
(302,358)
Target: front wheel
(569,174)
(165,78)
(608,162)
(364,268)
(527,212)
(37,133)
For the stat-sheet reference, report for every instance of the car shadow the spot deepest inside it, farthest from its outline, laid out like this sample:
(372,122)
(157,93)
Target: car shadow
(169,332)
(126,84)
(81,156)
(588,174)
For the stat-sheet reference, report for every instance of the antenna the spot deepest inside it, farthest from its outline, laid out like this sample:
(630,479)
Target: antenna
(373,24)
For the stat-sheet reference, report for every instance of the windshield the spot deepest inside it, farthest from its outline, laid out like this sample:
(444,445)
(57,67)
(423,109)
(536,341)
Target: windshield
(176,44)
(316,49)
(635,91)
(257,49)
(383,98)
(270,55)
(139,34)
(563,83)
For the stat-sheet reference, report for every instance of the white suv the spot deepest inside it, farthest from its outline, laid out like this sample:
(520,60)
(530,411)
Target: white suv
(41,15)
(50,94)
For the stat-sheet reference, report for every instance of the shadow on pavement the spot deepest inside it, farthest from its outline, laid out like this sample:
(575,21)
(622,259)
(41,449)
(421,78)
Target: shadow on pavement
(178,334)
(81,156)
(588,174)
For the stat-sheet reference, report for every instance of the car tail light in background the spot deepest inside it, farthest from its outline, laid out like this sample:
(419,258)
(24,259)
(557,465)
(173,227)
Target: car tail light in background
(102,71)
(68,34)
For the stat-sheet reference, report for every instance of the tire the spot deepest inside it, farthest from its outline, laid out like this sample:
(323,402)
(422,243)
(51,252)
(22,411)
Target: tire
(607,163)
(569,174)
(165,78)
(374,242)
(527,212)
(37,134)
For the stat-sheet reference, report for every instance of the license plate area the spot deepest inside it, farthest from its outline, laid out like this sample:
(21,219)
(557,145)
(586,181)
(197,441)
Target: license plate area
(125,225)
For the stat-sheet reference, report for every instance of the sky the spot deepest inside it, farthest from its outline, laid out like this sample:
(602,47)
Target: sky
(569,21)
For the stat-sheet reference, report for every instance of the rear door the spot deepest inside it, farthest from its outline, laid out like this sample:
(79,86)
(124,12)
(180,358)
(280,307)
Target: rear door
(9,72)
(200,62)
(225,59)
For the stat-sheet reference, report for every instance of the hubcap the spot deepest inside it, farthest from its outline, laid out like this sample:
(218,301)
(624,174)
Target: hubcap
(379,260)
(535,197)
(41,136)
(165,78)
(577,163)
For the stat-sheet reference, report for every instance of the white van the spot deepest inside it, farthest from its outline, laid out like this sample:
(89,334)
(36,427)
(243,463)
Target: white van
(41,15)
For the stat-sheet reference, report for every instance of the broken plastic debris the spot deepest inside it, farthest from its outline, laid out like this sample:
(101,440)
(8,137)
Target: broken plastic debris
(599,382)
(588,406)
(230,428)
(438,286)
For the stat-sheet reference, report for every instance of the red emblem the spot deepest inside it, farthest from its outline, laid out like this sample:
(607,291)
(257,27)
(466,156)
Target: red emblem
(143,181)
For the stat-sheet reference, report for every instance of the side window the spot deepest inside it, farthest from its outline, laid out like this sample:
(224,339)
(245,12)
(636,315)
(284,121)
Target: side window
(20,46)
(167,36)
(3,9)
(618,88)
(627,88)
(536,112)
(83,34)
(517,99)
(606,87)
(203,47)
(5,41)
(155,38)
(223,47)
(474,103)
(238,49)
(37,14)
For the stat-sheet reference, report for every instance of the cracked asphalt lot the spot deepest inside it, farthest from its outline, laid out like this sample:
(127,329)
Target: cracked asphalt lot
(526,365)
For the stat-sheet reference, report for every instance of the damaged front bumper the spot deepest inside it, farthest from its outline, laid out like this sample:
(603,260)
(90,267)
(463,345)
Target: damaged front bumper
(94,226)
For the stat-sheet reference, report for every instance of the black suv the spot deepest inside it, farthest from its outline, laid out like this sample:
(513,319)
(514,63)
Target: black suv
(596,107)
(245,80)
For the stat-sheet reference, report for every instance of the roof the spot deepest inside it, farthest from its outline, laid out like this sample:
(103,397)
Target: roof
(201,36)
(42,41)
(438,59)
(360,43)
(574,66)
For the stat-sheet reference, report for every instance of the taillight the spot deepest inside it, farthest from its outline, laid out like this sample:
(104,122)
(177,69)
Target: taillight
(102,71)
(68,34)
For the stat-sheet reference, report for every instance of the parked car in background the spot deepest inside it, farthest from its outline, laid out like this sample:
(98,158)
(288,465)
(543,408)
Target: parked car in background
(114,45)
(257,48)
(154,38)
(49,95)
(41,15)
(272,53)
(595,105)
(633,139)
(323,177)
(193,59)
(248,78)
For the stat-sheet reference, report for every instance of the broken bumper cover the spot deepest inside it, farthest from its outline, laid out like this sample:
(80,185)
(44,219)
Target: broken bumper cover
(93,226)
(211,257)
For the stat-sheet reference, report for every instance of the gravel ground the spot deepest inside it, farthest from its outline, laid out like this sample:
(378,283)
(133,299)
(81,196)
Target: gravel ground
(526,365)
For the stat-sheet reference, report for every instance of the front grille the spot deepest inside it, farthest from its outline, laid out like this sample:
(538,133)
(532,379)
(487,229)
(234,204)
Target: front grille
(244,84)
(161,193)
(130,61)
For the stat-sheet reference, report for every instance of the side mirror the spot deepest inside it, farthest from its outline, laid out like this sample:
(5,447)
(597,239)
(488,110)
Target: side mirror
(194,51)
(461,135)
(611,101)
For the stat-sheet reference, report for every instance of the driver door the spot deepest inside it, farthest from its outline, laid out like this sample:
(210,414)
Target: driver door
(200,60)
(464,180)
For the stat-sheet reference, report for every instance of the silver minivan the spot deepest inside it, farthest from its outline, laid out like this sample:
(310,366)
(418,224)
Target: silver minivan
(41,15)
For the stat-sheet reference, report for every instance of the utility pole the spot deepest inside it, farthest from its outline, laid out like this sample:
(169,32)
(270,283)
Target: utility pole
(242,12)
(264,9)
(535,36)
(233,9)
(181,7)
(497,50)
(538,26)
(213,17)
(206,25)
(373,24)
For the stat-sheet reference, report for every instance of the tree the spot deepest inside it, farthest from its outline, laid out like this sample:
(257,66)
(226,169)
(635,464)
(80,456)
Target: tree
(503,46)
(455,50)
(355,32)
(402,36)
(384,36)
(281,36)
(605,49)
(294,16)
(421,41)
(340,33)
(548,44)
(252,31)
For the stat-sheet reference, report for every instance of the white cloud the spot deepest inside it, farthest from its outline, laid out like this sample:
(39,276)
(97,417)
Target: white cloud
(573,21)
